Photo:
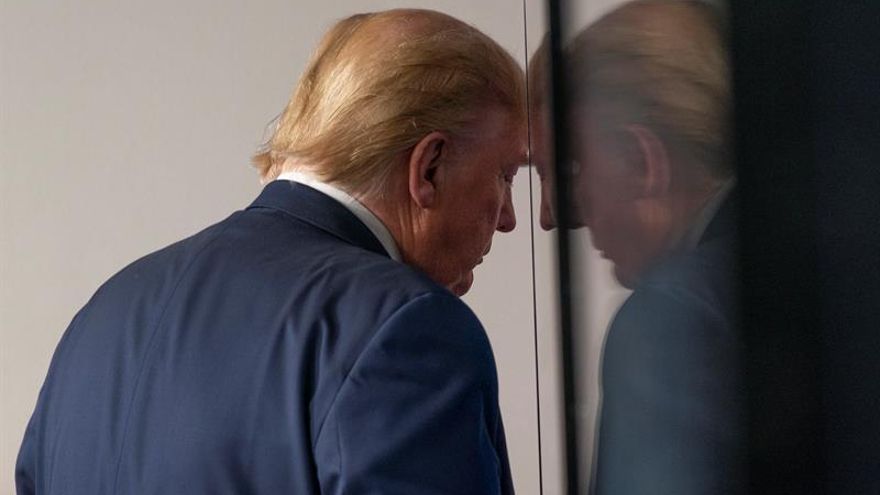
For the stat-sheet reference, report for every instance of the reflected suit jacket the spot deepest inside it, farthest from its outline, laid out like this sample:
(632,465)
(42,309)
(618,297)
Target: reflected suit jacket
(278,351)
(673,403)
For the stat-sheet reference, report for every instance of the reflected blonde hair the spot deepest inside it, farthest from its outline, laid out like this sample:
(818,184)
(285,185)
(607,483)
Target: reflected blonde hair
(663,64)
(379,82)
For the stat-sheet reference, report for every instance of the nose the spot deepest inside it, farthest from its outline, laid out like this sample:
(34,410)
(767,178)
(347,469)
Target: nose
(548,219)
(507,217)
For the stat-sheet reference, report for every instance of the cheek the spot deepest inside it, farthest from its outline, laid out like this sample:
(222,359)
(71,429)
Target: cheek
(484,216)
(493,201)
(607,217)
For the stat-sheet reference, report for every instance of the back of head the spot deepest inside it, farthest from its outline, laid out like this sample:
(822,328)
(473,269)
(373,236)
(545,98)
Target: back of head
(377,84)
(662,64)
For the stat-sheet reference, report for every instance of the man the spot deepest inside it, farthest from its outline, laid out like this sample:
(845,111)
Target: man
(652,180)
(310,343)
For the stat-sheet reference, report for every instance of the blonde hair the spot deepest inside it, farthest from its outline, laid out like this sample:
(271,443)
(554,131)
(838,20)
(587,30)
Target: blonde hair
(377,84)
(661,63)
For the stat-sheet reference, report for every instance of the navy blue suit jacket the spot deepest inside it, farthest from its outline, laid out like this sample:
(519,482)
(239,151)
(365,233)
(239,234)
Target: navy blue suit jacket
(673,404)
(278,351)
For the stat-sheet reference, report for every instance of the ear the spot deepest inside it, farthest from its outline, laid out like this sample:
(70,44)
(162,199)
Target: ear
(424,160)
(652,160)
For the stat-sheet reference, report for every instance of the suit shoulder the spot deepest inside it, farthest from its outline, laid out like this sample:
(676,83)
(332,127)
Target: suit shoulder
(686,294)
(415,304)
(702,280)
(440,312)
(164,265)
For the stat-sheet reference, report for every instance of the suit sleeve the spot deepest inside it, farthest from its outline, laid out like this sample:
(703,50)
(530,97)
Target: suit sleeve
(25,466)
(673,404)
(418,412)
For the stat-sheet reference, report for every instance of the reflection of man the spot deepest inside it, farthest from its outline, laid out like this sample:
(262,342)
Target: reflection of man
(653,183)
(309,344)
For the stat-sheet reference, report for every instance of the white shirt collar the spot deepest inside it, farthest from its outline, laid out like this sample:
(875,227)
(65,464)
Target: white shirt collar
(704,218)
(351,204)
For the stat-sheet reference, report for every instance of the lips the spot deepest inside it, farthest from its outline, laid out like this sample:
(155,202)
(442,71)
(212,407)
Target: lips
(486,252)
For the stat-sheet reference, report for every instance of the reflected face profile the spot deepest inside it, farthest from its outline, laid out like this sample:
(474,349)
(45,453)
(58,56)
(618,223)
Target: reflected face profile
(604,194)
(646,130)
(475,198)
(646,96)
(608,197)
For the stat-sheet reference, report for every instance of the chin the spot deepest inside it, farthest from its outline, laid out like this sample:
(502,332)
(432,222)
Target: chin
(624,277)
(463,285)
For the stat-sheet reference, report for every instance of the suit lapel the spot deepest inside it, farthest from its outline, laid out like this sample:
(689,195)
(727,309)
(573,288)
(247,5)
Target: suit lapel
(724,221)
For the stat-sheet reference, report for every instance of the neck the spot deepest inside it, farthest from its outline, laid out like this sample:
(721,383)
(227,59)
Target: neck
(397,216)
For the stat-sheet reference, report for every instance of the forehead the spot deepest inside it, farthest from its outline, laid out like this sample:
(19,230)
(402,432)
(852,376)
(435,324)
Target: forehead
(517,132)
(505,132)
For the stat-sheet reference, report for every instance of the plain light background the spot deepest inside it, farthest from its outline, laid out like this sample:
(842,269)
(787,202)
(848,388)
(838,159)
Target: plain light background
(125,126)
